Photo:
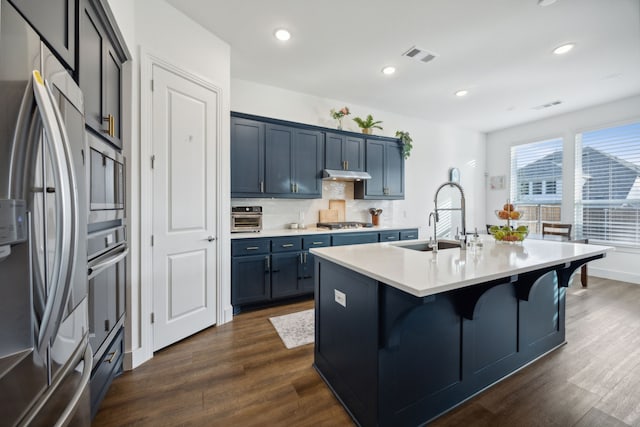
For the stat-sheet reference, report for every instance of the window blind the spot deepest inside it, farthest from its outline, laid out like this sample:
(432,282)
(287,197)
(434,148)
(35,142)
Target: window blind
(607,185)
(536,172)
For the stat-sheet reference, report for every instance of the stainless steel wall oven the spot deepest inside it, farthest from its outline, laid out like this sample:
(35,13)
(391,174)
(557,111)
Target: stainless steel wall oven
(107,254)
(106,181)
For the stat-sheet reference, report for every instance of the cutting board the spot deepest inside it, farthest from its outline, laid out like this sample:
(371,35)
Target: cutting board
(328,215)
(340,206)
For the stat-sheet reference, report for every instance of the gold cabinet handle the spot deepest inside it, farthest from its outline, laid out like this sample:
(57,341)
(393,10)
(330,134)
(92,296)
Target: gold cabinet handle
(111,121)
(111,355)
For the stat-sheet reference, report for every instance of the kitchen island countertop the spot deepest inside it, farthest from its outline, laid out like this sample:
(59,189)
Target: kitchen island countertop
(425,273)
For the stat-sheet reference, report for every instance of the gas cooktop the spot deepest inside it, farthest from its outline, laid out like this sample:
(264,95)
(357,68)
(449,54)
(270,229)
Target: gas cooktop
(343,225)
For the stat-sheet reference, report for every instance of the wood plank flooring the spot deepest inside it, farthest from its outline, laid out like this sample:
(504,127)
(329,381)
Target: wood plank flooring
(240,374)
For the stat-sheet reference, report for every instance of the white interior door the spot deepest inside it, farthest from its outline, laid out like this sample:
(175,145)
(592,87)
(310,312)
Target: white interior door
(184,133)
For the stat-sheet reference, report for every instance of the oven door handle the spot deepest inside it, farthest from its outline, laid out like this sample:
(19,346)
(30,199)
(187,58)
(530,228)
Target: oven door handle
(98,268)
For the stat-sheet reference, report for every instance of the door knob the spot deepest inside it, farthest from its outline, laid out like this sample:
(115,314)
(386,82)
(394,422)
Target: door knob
(211,238)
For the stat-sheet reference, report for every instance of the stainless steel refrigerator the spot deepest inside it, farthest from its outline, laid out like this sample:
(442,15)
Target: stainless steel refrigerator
(45,359)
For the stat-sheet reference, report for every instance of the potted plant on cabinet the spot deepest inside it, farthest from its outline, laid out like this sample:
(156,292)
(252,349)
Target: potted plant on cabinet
(367,125)
(406,143)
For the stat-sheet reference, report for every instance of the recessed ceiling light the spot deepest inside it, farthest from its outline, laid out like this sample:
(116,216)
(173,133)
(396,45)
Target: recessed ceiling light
(461,93)
(388,70)
(282,34)
(543,3)
(561,50)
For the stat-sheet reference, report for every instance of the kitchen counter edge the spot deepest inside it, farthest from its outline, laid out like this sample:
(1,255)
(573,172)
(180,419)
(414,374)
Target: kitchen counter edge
(315,230)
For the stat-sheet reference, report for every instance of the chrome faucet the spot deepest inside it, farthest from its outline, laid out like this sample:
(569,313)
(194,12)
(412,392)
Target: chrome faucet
(433,242)
(462,238)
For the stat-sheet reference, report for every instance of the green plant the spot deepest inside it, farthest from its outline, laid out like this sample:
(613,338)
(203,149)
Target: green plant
(406,142)
(368,123)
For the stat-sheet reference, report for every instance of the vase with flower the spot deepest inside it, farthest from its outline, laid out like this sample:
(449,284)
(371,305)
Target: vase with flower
(339,114)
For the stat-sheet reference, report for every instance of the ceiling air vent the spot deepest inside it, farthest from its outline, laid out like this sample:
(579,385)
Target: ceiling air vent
(547,105)
(419,54)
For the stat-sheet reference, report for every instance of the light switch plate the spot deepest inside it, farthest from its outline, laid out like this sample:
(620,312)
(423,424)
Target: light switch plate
(341,297)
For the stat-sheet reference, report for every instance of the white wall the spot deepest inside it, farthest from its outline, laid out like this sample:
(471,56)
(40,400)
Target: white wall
(621,264)
(436,148)
(156,28)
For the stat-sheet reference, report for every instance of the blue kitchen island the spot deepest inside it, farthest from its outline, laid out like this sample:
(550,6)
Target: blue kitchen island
(403,335)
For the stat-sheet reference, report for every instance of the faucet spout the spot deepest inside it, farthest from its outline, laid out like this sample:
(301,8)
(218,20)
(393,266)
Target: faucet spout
(463,240)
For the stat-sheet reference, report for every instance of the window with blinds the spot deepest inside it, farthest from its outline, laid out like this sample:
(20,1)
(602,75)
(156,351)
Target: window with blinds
(607,185)
(536,172)
(536,182)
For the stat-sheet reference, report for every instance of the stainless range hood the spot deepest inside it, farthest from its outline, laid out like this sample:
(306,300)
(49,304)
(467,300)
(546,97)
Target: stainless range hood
(340,175)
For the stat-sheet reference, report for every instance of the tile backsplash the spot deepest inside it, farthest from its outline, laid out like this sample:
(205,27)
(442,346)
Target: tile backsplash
(279,213)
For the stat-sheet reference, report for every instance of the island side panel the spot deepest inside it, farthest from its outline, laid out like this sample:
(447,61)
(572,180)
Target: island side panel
(346,314)
(393,358)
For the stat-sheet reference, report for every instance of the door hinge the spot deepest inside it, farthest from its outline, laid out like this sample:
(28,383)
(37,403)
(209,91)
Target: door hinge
(152,240)
(153,317)
(106,325)
(153,161)
(152,85)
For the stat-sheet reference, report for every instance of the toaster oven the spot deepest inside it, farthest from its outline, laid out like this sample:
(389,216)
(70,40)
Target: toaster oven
(246,219)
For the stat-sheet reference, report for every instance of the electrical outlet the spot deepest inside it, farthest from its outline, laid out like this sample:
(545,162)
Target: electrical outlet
(341,297)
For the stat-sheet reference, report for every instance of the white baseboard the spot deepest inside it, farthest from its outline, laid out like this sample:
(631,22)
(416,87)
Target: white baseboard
(228,315)
(135,358)
(615,275)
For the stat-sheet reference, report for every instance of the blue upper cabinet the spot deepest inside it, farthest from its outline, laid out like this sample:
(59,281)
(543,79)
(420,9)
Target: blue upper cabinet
(307,163)
(247,158)
(344,152)
(273,160)
(385,163)
(55,22)
(279,160)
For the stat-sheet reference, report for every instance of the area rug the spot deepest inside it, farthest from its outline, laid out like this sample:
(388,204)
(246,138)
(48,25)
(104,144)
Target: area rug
(295,329)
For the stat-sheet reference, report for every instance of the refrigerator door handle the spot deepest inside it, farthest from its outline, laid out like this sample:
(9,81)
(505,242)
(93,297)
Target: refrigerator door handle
(64,255)
(70,410)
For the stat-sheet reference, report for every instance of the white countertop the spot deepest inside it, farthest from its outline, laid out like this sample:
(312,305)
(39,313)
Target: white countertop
(425,273)
(285,232)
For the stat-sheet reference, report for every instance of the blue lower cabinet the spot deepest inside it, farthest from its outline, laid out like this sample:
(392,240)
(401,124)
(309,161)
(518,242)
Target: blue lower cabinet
(105,370)
(266,271)
(389,236)
(306,274)
(410,234)
(285,274)
(250,279)
(354,238)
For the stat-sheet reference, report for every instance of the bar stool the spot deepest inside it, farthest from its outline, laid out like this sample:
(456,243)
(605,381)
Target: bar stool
(563,230)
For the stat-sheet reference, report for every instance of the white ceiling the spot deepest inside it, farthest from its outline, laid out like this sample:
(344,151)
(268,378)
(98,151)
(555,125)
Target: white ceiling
(499,50)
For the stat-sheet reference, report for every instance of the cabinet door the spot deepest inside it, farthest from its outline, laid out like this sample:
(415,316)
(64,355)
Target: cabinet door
(306,273)
(55,21)
(247,156)
(394,170)
(278,161)
(111,93)
(90,68)
(354,238)
(409,234)
(333,151)
(353,153)
(250,281)
(307,163)
(389,236)
(375,159)
(285,274)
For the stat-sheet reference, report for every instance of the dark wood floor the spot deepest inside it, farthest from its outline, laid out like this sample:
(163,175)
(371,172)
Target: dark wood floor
(240,374)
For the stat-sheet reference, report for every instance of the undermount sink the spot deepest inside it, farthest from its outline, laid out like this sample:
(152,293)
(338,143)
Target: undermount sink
(423,245)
